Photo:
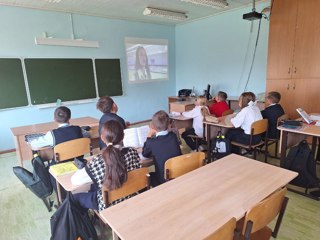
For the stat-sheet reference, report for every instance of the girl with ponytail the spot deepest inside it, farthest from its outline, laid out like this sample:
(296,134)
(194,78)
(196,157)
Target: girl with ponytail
(109,168)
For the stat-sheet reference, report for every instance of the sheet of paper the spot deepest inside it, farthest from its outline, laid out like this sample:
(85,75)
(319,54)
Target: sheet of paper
(143,134)
(131,138)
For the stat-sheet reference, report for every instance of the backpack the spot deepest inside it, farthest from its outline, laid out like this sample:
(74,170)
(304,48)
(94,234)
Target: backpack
(38,181)
(71,221)
(300,159)
(220,146)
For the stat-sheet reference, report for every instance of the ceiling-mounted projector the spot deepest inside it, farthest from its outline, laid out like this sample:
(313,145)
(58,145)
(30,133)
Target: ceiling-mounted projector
(252,15)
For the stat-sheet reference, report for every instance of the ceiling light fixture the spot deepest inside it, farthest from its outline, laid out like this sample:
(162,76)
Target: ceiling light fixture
(54,1)
(209,3)
(148,11)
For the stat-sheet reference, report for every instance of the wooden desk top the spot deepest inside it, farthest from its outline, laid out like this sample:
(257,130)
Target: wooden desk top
(223,122)
(196,204)
(44,127)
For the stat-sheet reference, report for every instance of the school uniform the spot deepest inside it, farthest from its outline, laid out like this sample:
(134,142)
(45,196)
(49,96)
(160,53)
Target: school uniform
(95,172)
(163,146)
(218,108)
(106,117)
(197,126)
(272,113)
(242,123)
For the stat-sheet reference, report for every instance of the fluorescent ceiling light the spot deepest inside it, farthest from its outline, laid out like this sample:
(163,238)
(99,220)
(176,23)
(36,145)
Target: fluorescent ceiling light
(66,42)
(209,3)
(53,1)
(148,11)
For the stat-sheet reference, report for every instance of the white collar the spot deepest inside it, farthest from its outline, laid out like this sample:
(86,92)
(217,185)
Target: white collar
(162,133)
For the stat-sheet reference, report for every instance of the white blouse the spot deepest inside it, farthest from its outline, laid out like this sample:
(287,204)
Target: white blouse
(246,117)
(197,119)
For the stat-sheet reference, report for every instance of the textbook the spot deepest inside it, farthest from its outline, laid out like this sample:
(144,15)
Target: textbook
(135,137)
(63,168)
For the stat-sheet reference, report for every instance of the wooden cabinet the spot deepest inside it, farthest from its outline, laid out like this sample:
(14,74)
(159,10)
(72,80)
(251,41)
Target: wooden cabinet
(294,54)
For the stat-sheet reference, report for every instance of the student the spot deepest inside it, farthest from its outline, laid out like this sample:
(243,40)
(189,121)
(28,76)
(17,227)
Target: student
(109,109)
(248,114)
(161,145)
(197,125)
(220,104)
(272,112)
(107,169)
(65,132)
(142,65)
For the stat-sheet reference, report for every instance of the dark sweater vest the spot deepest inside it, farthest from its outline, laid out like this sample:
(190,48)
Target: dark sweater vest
(67,133)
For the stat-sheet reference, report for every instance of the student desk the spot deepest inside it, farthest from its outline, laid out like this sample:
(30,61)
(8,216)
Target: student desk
(180,121)
(22,148)
(196,204)
(213,128)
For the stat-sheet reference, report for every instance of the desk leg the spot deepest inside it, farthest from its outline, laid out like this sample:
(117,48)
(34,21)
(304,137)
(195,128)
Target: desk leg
(208,137)
(59,194)
(18,151)
(284,138)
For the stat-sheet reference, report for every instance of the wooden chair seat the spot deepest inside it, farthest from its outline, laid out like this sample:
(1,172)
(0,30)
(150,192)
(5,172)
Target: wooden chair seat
(177,166)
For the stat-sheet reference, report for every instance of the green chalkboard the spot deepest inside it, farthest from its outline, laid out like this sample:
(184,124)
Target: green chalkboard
(108,74)
(65,79)
(12,87)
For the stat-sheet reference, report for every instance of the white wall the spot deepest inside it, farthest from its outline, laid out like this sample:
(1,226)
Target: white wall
(214,51)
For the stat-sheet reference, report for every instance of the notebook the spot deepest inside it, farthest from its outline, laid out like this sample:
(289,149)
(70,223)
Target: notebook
(306,117)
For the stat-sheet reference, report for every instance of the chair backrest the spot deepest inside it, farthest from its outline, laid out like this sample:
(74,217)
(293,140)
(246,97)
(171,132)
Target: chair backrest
(137,180)
(227,112)
(226,232)
(205,112)
(177,166)
(71,149)
(259,127)
(264,212)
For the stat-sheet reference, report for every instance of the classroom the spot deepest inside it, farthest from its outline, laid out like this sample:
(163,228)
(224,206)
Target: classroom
(219,48)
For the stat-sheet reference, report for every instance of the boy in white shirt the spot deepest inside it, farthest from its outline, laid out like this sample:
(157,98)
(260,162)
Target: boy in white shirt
(242,121)
(197,126)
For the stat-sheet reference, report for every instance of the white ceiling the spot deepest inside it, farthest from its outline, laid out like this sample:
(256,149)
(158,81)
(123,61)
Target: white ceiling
(127,9)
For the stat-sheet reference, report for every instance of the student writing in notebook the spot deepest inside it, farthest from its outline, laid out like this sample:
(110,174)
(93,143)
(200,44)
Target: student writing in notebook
(272,112)
(65,132)
(248,114)
(109,168)
(161,145)
(220,105)
(197,124)
(109,109)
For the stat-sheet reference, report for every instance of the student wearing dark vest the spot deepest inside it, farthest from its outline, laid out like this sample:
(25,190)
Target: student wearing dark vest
(109,109)
(65,132)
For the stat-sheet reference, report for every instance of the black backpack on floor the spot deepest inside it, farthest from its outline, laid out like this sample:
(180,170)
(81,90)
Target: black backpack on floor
(300,159)
(72,222)
(220,147)
(38,181)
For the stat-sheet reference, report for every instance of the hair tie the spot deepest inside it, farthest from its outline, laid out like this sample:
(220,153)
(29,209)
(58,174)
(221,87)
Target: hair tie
(110,144)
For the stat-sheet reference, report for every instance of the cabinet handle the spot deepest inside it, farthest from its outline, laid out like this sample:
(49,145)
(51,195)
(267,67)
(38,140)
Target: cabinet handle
(294,86)
(288,86)
(295,70)
(289,70)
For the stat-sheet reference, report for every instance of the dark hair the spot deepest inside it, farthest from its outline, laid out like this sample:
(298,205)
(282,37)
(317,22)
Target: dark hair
(246,97)
(274,97)
(222,95)
(62,114)
(105,104)
(138,64)
(115,167)
(160,120)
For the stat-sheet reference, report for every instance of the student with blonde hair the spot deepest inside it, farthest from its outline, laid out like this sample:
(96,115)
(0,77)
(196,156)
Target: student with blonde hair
(248,114)
(197,125)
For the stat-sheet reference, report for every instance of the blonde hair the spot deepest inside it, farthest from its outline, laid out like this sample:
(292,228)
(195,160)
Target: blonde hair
(202,101)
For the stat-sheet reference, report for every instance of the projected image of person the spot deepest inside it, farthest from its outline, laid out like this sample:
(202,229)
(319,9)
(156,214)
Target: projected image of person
(142,66)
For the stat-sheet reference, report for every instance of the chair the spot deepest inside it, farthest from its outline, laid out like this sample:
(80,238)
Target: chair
(137,180)
(226,232)
(275,141)
(177,166)
(257,218)
(69,150)
(227,112)
(257,128)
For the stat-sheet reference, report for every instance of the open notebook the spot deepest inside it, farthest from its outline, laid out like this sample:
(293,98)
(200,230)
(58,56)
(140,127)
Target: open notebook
(306,117)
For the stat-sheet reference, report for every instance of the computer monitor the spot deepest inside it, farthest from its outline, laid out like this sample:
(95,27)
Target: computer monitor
(208,92)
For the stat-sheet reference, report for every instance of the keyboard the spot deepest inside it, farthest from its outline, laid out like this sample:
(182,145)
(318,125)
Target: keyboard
(29,138)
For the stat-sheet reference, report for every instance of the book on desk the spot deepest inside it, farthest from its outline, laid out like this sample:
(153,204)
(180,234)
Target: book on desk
(63,168)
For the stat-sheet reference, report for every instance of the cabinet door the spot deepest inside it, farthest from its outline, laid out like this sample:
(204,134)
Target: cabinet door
(283,87)
(307,51)
(312,95)
(281,39)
